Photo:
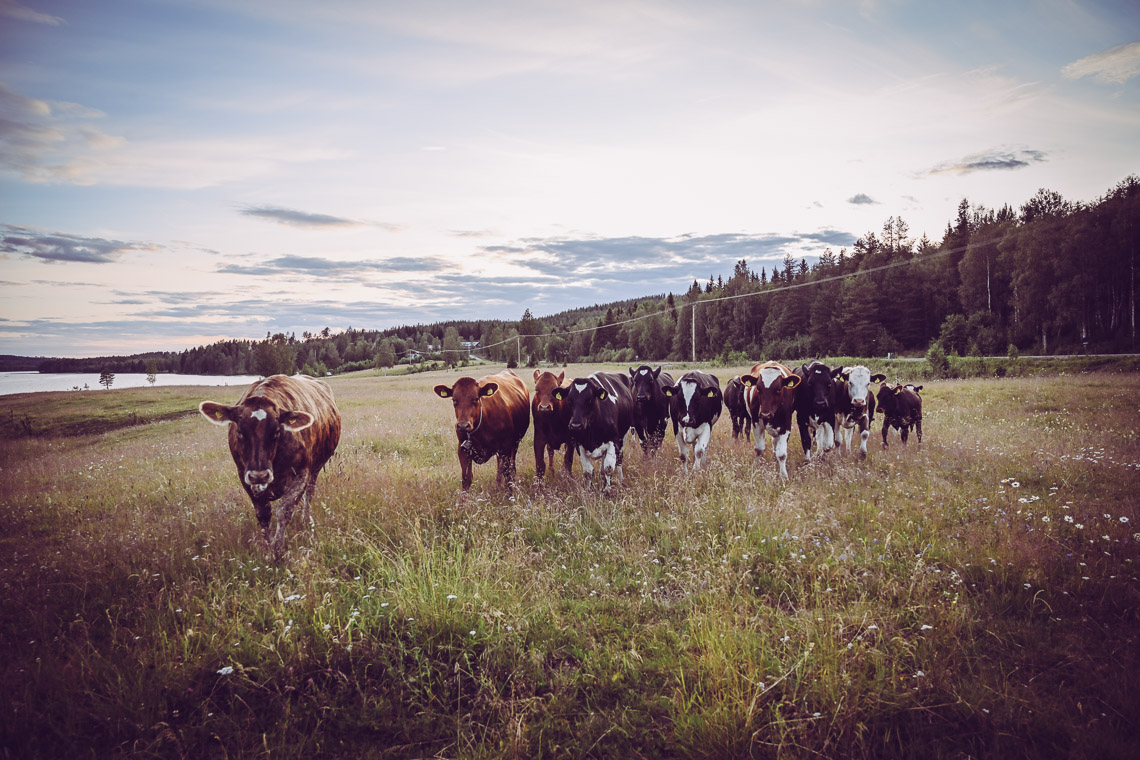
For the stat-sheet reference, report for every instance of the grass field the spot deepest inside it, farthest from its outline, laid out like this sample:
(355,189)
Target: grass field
(976,596)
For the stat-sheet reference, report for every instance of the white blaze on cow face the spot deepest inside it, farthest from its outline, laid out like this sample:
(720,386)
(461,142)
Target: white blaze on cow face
(769,376)
(858,384)
(259,415)
(688,390)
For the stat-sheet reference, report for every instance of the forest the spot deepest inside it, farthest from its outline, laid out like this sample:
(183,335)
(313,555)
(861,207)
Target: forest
(1053,276)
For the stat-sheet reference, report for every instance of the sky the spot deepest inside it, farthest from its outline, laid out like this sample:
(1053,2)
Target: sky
(177,172)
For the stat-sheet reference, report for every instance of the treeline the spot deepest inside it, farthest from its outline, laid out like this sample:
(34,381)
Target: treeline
(1053,276)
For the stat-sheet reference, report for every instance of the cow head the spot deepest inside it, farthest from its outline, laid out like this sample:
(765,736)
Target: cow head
(816,387)
(769,386)
(583,395)
(855,382)
(545,383)
(467,397)
(690,398)
(888,398)
(257,428)
(644,382)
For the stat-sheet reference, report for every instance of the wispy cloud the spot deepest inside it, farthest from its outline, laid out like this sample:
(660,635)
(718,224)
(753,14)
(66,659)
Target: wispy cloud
(296,218)
(1114,66)
(315,266)
(993,160)
(66,248)
(12,9)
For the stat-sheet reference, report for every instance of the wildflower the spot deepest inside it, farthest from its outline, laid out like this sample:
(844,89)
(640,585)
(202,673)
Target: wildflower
(473,633)
(1068,518)
(926,627)
(227,670)
(1045,518)
(452,596)
(1123,519)
(1080,526)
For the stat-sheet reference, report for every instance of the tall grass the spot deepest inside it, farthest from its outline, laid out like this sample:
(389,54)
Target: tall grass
(972,597)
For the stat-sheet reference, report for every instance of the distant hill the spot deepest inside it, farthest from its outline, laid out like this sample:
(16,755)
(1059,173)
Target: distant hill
(9,363)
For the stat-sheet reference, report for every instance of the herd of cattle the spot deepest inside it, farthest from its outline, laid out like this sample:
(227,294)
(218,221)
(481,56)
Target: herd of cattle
(283,430)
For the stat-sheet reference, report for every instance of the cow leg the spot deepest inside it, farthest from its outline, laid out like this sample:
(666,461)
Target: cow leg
(465,469)
(886,427)
(904,433)
(918,429)
(702,445)
(682,449)
(540,448)
(587,465)
(264,512)
(307,500)
(284,511)
(612,462)
(864,434)
(567,459)
(806,440)
(780,449)
(759,442)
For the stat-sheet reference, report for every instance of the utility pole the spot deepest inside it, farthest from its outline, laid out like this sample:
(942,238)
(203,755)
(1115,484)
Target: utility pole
(518,349)
(694,332)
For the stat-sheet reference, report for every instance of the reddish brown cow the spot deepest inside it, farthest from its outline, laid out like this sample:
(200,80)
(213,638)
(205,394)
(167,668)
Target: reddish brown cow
(770,398)
(492,415)
(281,432)
(551,417)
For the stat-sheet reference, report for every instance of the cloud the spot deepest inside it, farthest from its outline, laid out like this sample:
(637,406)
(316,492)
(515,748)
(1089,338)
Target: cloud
(994,160)
(62,247)
(297,218)
(1114,66)
(12,9)
(315,266)
(862,199)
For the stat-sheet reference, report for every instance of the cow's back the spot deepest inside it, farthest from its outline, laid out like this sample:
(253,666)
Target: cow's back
(509,407)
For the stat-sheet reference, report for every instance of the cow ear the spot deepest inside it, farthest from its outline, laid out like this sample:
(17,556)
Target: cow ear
(748,380)
(488,390)
(791,381)
(657,372)
(443,391)
(711,393)
(917,388)
(838,372)
(559,394)
(537,373)
(219,414)
(295,422)
(601,394)
(632,372)
(898,390)
(878,377)
(562,377)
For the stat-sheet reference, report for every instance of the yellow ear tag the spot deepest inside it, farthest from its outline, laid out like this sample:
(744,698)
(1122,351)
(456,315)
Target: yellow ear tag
(218,415)
(602,395)
(712,394)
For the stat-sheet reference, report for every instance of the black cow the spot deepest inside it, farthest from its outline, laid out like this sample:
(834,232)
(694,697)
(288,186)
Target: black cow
(651,407)
(815,407)
(737,408)
(902,409)
(601,414)
(855,405)
(695,408)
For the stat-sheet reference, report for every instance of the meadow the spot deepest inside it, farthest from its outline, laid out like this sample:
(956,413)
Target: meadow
(975,596)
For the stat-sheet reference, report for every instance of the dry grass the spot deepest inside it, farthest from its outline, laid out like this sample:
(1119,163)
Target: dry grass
(973,597)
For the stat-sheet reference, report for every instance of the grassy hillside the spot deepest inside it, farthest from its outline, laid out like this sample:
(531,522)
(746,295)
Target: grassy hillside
(975,596)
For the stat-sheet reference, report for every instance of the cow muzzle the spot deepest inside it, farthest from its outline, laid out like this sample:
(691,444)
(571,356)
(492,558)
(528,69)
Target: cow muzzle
(258,480)
(546,407)
(463,427)
(575,426)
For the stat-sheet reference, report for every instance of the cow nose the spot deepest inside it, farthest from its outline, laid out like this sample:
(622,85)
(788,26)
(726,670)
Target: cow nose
(641,397)
(463,426)
(546,407)
(575,426)
(258,479)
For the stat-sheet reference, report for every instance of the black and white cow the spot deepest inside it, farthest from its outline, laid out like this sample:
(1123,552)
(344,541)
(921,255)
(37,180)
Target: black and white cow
(855,405)
(770,395)
(737,408)
(902,409)
(601,414)
(815,407)
(651,407)
(696,404)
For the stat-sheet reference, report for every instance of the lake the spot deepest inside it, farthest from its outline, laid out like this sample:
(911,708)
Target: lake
(34,382)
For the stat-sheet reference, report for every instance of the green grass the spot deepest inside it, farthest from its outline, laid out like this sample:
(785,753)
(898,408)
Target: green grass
(972,597)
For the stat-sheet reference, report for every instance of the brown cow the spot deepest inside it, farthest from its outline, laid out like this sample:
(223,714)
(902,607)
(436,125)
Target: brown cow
(281,432)
(902,409)
(492,415)
(551,417)
(769,396)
